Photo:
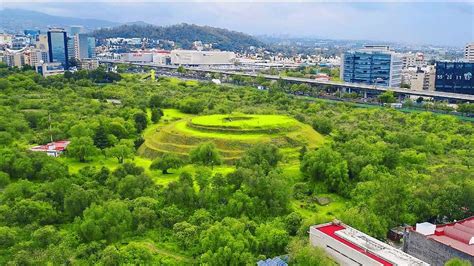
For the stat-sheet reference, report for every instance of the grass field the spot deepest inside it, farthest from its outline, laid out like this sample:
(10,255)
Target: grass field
(329,212)
(245,122)
(158,176)
(179,133)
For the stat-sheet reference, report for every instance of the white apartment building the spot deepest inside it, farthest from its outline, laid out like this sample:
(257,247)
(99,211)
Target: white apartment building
(419,78)
(34,56)
(413,60)
(6,39)
(469,52)
(88,63)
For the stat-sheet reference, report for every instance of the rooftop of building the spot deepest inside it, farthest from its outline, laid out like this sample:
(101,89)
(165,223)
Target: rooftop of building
(277,261)
(367,245)
(54,29)
(458,235)
(201,52)
(59,145)
(461,60)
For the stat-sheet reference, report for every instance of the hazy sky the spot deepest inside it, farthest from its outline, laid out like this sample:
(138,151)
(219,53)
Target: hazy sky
(445,23)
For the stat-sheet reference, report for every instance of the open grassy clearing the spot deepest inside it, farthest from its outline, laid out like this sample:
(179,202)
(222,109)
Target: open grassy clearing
(244,122)
(330,211)
(232,134)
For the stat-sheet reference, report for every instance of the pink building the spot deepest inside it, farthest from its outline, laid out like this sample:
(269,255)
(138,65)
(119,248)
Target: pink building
(54,148)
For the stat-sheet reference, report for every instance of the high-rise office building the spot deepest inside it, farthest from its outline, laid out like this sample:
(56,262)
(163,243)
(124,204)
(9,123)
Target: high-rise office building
(71,47)
(377,65)
(91,47)
(84,46)
(469,52)
(73,30)
(455,77)
(58,46)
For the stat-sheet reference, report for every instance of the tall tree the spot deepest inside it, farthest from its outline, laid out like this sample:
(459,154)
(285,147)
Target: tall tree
(81,148)
(156,114)
(123,149)
(101,140)
(328,166)
(141,121)
(109,222)
(262,155)
(387,97)
(206,154)
(167,161)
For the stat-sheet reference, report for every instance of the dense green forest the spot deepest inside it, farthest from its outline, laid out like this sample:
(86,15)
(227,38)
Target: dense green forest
(184,35)
(103,203)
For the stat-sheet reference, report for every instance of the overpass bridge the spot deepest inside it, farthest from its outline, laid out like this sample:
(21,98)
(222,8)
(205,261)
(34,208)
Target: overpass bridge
(346,86)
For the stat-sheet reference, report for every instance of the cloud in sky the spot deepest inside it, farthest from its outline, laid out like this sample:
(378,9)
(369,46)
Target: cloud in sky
(444,23)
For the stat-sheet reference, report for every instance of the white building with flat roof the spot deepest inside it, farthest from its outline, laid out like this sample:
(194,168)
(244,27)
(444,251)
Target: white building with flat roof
(348,246)
(194,58)
(138,57)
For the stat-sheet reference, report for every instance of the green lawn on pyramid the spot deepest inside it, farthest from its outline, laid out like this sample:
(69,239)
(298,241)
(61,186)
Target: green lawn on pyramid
(232,134)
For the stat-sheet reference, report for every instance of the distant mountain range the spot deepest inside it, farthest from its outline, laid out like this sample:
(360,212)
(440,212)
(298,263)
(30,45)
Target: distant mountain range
(184,35)
(16,20)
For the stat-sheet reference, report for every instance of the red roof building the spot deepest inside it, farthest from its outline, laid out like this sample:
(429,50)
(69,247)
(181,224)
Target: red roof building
(54,148)
(437,244)
(348,246)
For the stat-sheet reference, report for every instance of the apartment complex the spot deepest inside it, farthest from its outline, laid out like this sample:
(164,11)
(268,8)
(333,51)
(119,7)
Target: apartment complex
(373,65)
(413,60)
(419,78)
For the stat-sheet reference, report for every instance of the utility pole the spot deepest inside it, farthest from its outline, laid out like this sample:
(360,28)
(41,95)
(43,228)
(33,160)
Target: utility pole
(50,131)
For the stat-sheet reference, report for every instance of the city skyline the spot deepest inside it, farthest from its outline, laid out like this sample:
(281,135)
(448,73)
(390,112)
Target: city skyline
(436,23)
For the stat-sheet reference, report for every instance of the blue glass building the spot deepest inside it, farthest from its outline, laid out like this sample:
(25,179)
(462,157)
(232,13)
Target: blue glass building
(91,47)
(85,46)
(377,65)
(58,46)
(455,77)
(71,47)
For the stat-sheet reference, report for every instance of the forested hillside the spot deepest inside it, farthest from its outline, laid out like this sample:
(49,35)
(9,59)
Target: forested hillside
(184,35)
(103,203)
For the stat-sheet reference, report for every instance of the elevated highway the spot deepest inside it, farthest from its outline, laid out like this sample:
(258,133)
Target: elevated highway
(338,85)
